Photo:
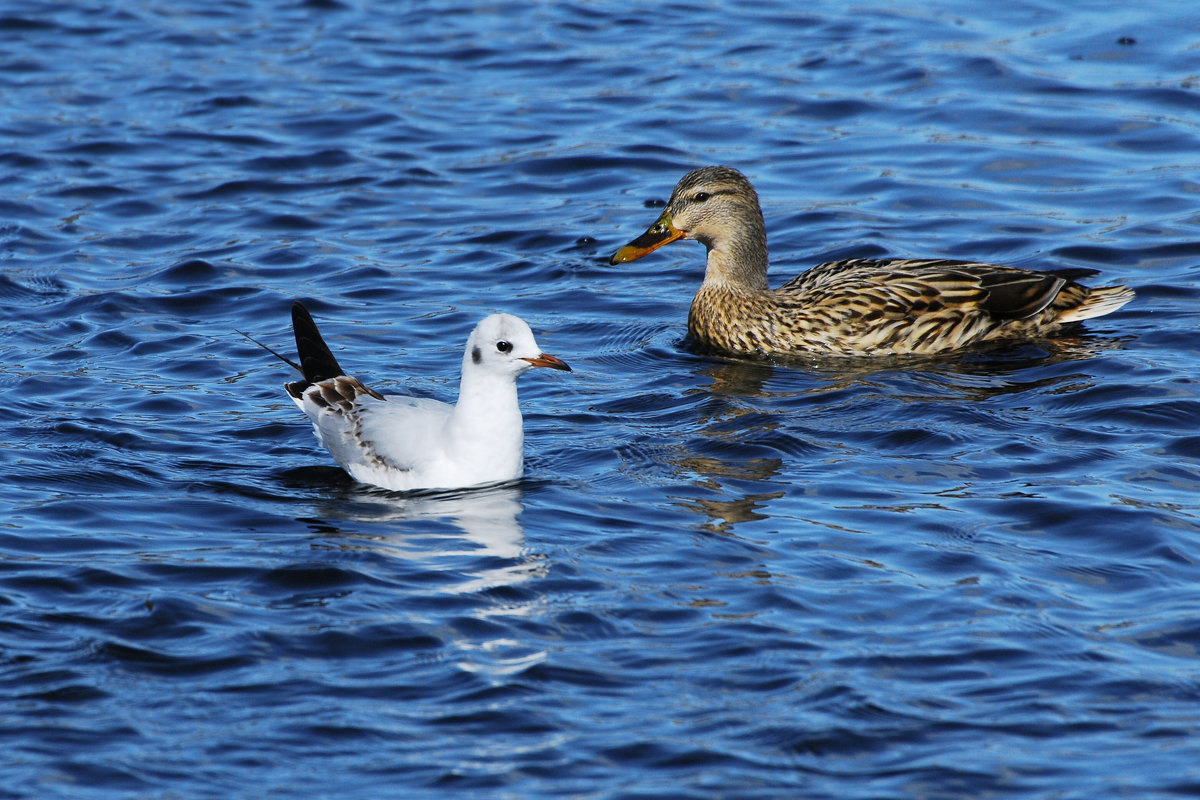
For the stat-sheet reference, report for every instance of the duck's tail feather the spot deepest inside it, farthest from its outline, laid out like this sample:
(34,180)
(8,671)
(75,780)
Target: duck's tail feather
(1099,301)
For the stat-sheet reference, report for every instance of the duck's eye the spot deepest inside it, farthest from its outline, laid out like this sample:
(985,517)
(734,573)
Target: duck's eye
(701,197)
(503,346)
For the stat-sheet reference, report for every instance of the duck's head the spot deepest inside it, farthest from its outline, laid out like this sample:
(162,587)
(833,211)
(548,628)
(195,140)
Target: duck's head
(717,207)
(503,344)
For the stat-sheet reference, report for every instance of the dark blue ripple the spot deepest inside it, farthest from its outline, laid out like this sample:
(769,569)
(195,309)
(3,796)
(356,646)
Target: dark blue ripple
(810,577)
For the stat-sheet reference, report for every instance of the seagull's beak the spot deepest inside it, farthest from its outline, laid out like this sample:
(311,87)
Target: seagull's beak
(547,360)
(660,233)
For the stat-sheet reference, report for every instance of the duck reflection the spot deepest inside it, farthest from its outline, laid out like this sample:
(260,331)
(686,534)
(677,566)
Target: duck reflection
(980,374)
(724,515)
(728,448)
(760,417)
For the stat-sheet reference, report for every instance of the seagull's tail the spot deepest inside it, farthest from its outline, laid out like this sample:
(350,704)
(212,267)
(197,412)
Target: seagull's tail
(272,351)
(316,362)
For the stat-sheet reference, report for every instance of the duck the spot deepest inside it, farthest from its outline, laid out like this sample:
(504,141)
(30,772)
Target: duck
(404,443)
(856,306)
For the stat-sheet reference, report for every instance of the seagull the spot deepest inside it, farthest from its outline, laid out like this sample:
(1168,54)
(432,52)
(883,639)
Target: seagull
(407,443)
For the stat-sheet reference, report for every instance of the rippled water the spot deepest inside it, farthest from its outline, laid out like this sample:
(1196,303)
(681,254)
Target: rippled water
(973,576)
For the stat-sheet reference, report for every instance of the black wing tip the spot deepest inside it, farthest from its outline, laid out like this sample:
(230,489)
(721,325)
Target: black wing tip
(1019,295)
(296,388)
(1074,273)
(300,315)
(316,361)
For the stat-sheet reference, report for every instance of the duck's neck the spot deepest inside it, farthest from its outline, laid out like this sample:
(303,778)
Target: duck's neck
(737,261)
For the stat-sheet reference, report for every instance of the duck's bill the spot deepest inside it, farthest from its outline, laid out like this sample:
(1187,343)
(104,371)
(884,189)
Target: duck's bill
(547,360)
(660,233)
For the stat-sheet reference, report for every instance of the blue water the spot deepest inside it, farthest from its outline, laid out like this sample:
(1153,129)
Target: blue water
(972,576)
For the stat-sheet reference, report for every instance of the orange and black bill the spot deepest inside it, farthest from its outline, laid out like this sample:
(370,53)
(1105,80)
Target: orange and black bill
(660,233)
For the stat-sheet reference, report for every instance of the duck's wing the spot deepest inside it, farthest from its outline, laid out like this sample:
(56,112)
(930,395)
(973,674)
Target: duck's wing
(887,288)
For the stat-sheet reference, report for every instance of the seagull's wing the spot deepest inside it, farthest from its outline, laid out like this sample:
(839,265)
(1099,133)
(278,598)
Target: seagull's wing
(403,433)
(366,432)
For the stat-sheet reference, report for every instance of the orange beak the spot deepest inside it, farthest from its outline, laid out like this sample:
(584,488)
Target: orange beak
(660,233)
(547,360)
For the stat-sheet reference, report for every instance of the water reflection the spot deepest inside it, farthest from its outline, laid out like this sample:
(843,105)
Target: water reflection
(923,419)
(465,544)
(473,534)
(980,374)
(724,515)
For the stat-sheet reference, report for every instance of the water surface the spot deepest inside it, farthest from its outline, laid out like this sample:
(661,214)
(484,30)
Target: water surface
(971,576)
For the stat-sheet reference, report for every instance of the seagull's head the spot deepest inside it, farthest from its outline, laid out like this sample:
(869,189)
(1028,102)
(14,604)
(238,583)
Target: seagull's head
(503,344)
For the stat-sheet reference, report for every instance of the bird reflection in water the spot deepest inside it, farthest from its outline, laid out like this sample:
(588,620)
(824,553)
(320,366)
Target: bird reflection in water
(474,534)
(761,419)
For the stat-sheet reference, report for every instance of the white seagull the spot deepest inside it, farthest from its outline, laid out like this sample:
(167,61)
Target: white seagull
(406,443)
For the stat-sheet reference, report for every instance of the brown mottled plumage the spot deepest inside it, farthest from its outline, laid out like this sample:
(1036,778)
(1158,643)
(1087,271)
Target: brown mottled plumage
(857,306)
(335,389)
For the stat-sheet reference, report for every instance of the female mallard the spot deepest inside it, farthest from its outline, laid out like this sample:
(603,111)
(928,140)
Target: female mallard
(858,306)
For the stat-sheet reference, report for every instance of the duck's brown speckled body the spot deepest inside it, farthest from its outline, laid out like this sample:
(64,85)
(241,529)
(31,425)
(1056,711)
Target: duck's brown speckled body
(858,306)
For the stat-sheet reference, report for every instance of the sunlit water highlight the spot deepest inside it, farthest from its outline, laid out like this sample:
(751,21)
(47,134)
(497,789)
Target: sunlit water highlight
(972,576)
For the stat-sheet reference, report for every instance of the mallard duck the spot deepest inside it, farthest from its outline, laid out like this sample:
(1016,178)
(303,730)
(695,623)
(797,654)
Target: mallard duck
(855,307)
(404,443)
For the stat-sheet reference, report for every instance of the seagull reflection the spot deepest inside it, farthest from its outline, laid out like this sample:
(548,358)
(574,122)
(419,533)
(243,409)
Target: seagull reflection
(470,534)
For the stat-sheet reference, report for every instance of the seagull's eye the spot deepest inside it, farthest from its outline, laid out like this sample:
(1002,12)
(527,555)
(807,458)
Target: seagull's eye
(701,197)
(504,346)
